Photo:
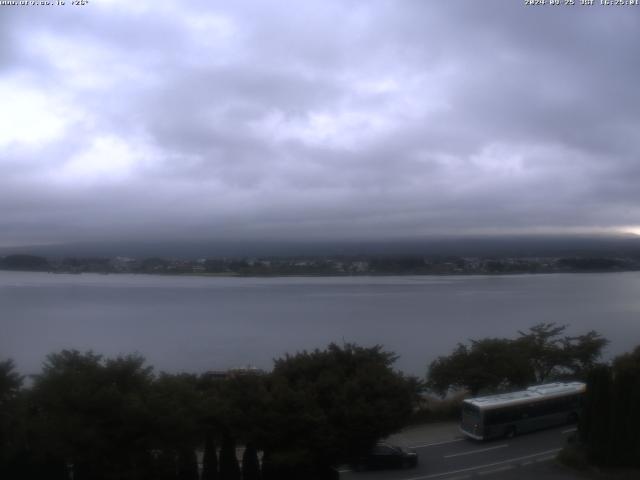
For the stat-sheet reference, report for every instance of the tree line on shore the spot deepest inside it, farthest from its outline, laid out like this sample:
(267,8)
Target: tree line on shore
(321,265)
(115,418)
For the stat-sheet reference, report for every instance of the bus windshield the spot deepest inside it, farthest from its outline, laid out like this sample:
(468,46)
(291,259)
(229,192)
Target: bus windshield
(470,411)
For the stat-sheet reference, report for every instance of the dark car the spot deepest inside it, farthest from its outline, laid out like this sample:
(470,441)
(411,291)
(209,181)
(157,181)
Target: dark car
(384,455)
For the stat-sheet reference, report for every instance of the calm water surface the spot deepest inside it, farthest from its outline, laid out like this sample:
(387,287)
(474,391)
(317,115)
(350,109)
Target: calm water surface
(200,323)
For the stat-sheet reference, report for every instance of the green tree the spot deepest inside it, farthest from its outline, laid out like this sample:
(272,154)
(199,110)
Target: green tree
(166,465)
(538,355)
(552,355)
(582,353)
(187,464)
(127,430)
(229,468)
(329,406)
(10,382)
(610,422)
(250,463)
(210,458)
(93,413)
(11,416)
(595,424)
(240,404)
(70,407)
(176,405)
(542,345)
(625,421)
(491,363)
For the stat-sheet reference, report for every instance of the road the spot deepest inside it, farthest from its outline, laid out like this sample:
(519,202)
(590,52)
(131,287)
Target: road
(522,457)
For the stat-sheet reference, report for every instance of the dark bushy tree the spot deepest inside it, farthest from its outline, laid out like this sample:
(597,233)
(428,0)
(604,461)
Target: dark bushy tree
(538,355)
(610,422)
(243,403)
(92,413)
(187,464)
(175,403)
(552,355)
(229,468)
(491,363)
(68,398)
(37,465)
(582,353)
(12,428)
(250,463)
(210,459)
(626,413)
(112,418)
(542,345)
(166,465)
(595,424)
(10,382)
(329,406)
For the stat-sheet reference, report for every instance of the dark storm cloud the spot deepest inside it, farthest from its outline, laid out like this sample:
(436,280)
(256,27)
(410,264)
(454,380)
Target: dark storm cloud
(330,119)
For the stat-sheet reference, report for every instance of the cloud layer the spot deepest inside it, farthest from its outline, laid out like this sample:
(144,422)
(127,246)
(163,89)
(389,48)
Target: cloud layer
(328,119)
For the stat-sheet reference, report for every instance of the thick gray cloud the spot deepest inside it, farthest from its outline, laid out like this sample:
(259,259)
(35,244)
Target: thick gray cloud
(330,119)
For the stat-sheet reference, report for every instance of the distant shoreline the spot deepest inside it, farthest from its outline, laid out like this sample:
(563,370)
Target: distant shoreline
(325,275)
(324,266)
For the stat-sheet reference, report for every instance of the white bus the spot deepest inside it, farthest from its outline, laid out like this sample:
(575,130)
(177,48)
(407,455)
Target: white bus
(509,414)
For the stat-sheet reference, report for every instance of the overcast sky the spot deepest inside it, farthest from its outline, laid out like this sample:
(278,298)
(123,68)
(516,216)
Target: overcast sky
(317,119)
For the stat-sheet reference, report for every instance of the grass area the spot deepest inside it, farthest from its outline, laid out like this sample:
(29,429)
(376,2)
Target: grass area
(435,409)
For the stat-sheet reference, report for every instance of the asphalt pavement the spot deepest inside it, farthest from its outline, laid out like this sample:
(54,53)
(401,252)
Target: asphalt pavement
(444,454)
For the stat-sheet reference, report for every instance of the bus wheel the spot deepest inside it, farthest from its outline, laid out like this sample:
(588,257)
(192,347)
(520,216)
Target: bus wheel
(511,432)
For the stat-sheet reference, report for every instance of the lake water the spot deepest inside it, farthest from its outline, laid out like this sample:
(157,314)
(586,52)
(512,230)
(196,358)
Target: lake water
(202,323)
